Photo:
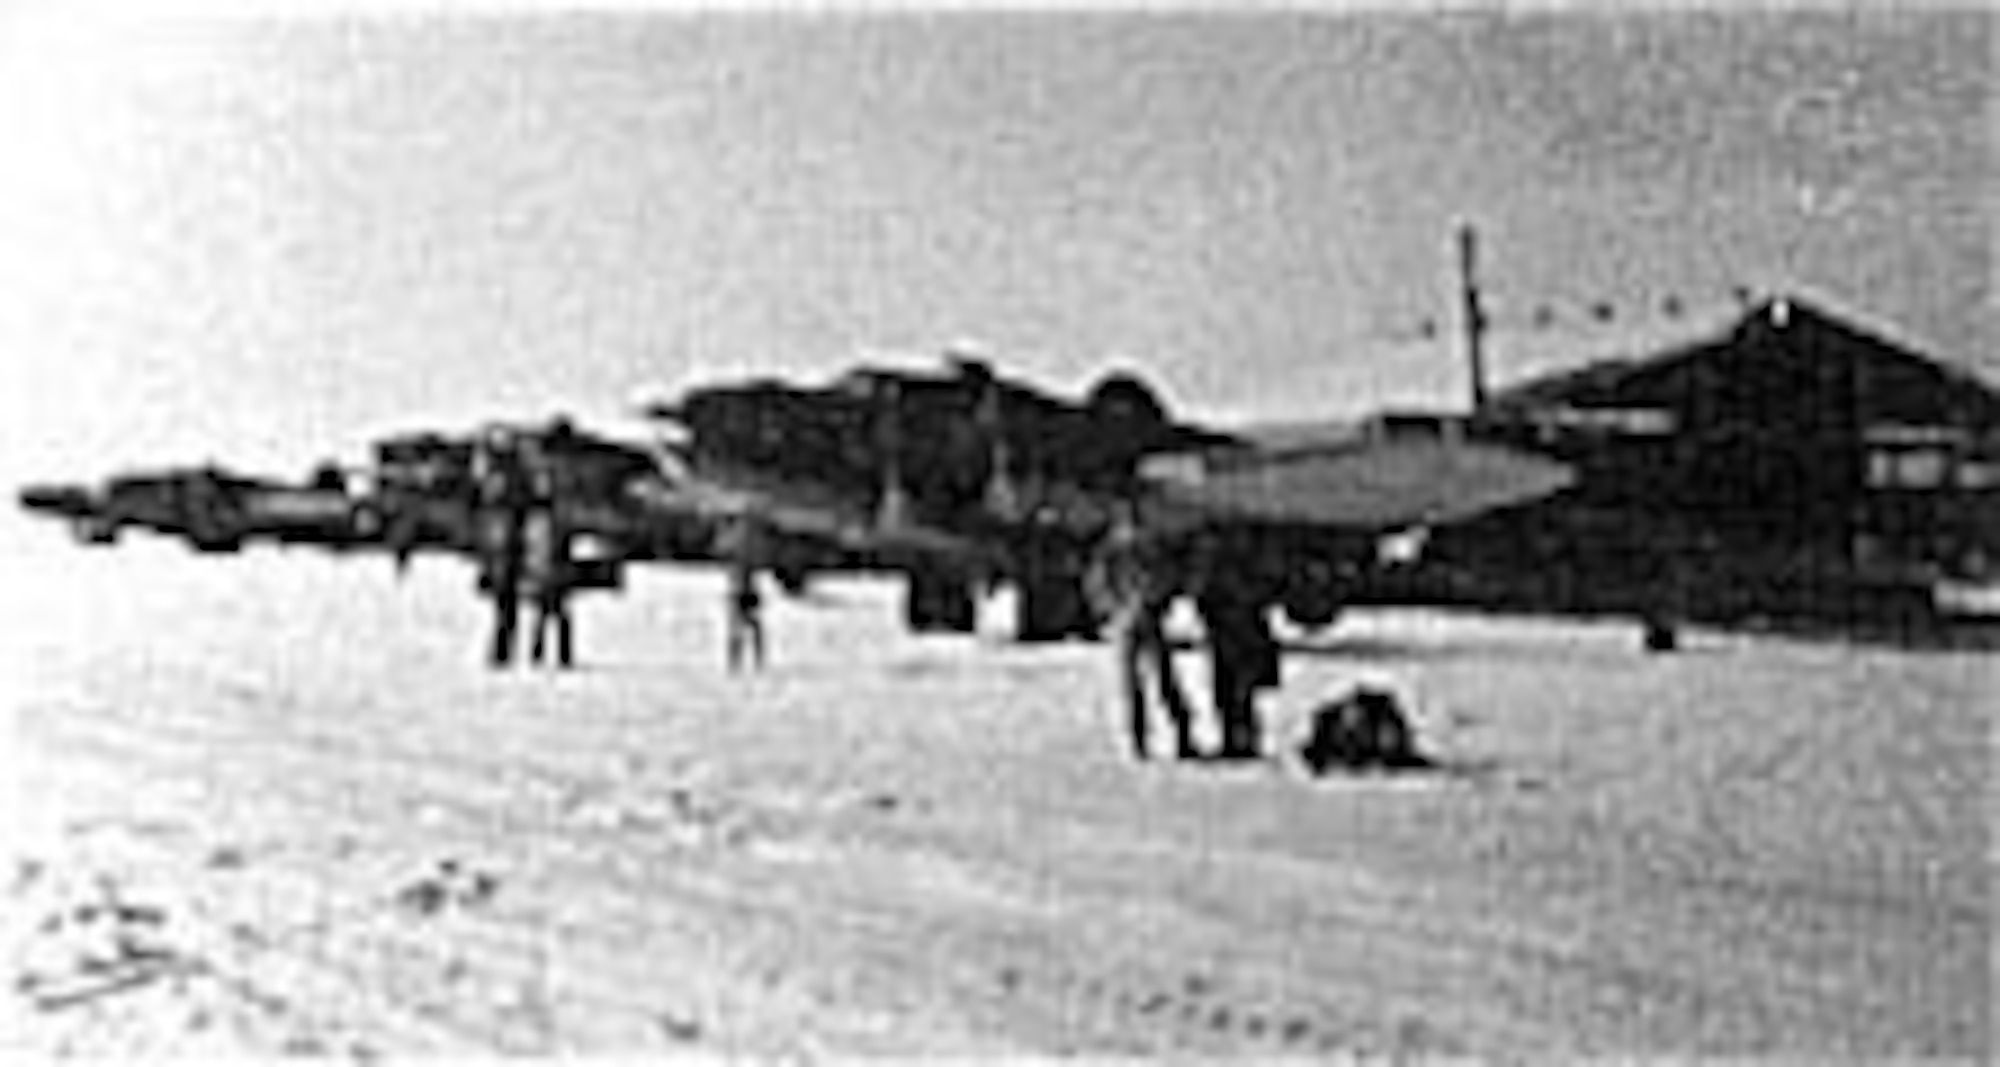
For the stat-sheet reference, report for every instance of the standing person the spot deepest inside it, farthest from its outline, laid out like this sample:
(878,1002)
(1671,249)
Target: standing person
(1134,579)
(499,512)
(739,544)
(1242,650)
(547,573)
(746,623)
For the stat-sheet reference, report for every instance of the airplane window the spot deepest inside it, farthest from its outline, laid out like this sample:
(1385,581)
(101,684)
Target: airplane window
(1185,468)
(1923,469)
(1979,474)
(1881,470)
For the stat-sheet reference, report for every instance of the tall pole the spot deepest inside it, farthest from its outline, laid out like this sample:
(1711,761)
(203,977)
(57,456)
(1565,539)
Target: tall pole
(1475,316)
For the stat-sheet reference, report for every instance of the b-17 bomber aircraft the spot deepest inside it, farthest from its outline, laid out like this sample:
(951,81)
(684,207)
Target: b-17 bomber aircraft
(213,509)
(631,504)
(1035,482)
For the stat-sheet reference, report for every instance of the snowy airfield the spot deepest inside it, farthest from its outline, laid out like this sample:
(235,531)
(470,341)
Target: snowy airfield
(273,803)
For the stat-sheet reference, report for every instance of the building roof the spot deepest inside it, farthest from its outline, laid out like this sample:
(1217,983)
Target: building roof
(1783,354)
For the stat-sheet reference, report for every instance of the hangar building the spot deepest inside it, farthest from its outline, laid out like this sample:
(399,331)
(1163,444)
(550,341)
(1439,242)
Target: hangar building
(1793,464)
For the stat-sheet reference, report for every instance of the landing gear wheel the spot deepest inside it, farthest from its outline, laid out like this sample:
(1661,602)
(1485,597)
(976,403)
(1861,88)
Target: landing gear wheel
(1052,607)
(93,530)
(792,581)
(939,603)
(1659,635)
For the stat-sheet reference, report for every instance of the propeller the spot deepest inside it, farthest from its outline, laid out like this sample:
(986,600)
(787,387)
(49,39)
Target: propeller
(1003,493)
(892,510)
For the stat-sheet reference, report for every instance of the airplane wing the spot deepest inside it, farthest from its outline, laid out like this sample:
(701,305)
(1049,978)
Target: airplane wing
(1365,485)
(814,524)
(661,509)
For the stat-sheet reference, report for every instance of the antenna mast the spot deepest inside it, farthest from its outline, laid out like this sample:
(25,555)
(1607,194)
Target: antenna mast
(1475,315)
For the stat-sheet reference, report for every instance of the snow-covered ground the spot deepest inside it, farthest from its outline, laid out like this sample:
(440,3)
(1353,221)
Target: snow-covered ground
(274,803)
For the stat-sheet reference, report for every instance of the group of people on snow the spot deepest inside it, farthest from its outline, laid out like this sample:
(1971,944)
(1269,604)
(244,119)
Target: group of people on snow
(1135,578)
(525,526)
(526,558)
(525,519)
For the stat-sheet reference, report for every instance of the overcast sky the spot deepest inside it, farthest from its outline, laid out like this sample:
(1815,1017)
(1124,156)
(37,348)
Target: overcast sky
(261,241)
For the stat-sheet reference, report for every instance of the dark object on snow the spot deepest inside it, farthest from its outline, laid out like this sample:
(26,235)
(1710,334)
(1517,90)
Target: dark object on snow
(450,886)
(1660,635)
(1365,728)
